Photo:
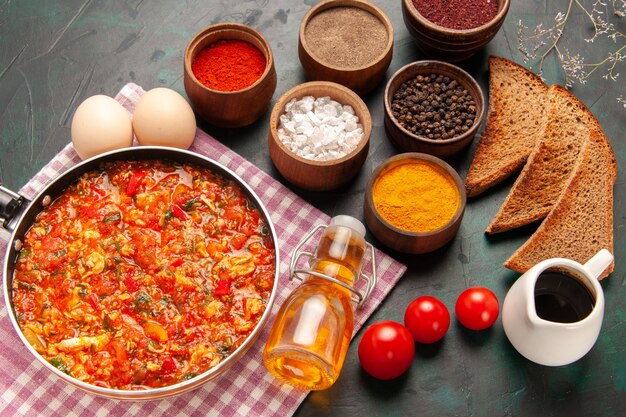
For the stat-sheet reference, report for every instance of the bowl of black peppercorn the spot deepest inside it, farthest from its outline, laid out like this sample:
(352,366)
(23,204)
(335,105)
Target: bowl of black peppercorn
(433,107)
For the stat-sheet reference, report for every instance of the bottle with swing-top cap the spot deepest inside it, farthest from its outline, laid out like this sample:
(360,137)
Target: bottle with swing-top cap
(309,339)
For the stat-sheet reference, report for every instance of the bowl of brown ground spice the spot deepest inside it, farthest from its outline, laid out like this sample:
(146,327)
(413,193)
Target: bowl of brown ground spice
(349,42)
(453,30)
(414,203)
(433,107)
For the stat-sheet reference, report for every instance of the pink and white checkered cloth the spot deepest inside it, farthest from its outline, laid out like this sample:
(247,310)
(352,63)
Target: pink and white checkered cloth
(246,389)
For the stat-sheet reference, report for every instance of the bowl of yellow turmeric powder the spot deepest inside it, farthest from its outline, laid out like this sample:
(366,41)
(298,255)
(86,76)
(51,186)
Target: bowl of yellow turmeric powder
(414,203)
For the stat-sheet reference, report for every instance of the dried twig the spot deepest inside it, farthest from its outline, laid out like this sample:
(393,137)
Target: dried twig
(543,42)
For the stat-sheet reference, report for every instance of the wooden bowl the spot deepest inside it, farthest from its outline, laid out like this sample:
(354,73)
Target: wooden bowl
(402,240)
(450,44)
(359,79)
(410,142)
(319,175)
(230,108)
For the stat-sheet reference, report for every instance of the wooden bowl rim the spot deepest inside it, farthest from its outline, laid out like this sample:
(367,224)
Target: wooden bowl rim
(405,158)
(474,31)
(365,119)
(225,29)
(363,5)
(463,77)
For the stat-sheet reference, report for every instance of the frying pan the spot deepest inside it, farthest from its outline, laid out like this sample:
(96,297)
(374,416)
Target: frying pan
(17,214)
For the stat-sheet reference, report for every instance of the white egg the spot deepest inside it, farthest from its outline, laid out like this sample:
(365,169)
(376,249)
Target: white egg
(163,117)
(100,124)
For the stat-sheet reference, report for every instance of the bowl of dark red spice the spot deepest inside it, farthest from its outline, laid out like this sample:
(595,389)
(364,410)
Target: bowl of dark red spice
(433,107)
(349,42)
(453,30)
(229,74)
(319,135)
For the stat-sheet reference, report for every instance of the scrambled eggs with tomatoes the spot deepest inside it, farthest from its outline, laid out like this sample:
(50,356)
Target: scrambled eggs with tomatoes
(143,274)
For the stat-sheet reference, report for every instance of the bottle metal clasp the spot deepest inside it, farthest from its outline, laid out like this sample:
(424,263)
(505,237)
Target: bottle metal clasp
(300,274)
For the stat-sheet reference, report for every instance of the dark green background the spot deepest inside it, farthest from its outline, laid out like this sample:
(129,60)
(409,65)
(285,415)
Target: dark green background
(54,54)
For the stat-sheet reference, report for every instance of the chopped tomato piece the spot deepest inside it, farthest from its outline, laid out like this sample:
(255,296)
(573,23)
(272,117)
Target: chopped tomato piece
(238,240)
(222,288)
(88,212)
(168,365)
(213,247)
(234,216)
(120,353)
(179,212)
(155,331)
(178,262)
(94,301)
(135,181)
(99,191)
(130,283)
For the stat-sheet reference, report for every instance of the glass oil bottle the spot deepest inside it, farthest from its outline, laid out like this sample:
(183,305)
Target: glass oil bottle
(309,340)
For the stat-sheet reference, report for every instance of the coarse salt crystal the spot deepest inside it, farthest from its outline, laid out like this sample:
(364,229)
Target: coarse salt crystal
(330,110)
(289,126)
(306,104)
(319,128)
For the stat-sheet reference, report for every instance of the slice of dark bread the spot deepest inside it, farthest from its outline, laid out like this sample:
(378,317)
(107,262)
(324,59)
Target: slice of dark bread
(581,222)
(517,106)
(550,165)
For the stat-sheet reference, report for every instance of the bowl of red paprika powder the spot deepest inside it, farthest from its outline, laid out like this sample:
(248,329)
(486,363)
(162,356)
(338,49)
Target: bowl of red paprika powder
(453,30)
(229,74)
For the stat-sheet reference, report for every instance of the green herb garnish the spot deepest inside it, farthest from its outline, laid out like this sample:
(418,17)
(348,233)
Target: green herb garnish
(44,306)
(167,217)
(112,217)
(26,285)
(188,205)
(106,324)
(58,363)
(82,292)
(142,301)
(226,346)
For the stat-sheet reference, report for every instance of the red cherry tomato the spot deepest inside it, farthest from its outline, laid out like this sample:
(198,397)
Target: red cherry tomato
(386,350)
(427,319)
(477,308)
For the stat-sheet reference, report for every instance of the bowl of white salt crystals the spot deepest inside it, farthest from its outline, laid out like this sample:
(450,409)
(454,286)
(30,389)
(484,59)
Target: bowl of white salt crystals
(319,135)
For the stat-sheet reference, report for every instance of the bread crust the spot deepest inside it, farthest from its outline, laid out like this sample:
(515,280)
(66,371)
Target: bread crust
(502,151)
(551,165)
(581,222)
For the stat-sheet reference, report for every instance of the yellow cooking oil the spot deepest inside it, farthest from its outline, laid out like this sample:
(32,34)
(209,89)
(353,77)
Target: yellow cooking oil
(309,339)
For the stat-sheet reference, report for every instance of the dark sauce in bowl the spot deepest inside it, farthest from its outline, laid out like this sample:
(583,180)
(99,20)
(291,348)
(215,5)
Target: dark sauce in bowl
(562,298)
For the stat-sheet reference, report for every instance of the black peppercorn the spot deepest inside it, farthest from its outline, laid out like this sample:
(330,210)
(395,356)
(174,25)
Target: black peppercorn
(434,106)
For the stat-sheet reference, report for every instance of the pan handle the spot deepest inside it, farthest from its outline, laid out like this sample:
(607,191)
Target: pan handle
(11,205)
